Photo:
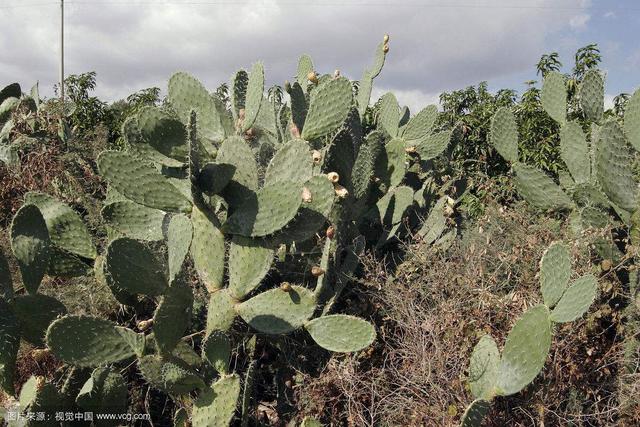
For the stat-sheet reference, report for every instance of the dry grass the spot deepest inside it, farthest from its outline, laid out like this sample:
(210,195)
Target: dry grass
(432,307)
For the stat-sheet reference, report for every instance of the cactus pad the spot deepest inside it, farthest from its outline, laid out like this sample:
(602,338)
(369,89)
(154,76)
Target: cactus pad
(554,96)
(214,177)
(216,350)
(249,262)
(539,189)
(31,245)
(273,207)
(310,217)
(421,124)
(475,413)
(504,134)
(277,311)
(141,182)
(35,313)
(66,229)
(291,163)
(576,300)
(253,100)
(216,406)
(525,351)
(104,392)
(483,368)
(389,114)
(433,145)
(221,312)
(632,120)
(134,267)
(555,272)
(162,137)
(305,66)
(85,341)
(364,93)
(207,249)
(575,152)
(9,345)
(179,235)
(592,95)
(134,220)
(186,93)
(341,333)
(329,107)
(236,152)
(172,315)
(392,164)
(169,374)
(238,92)
(614,167)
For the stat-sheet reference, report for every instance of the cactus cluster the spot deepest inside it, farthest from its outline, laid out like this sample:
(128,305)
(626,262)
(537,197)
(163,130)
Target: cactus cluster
(599,162)
(492,373)
(226,193)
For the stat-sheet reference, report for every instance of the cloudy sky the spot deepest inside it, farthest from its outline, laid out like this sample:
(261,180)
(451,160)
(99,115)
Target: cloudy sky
(436,45)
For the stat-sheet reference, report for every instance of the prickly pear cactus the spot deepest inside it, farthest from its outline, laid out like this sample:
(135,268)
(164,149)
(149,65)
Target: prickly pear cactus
(493,373)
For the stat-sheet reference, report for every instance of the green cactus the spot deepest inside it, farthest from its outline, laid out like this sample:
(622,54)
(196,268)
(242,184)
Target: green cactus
(133,267)
(85,341)
(133,220)
(278,311)
(9,344)
(105,392)
(216,350)
(329,106)
(216,406)
(35,313)
(554,96)
(172,316)
(141,182)
(31,245)
(179,236)
(527,346)
(341,333)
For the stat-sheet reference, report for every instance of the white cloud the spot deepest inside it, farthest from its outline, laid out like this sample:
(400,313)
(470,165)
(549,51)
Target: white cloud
(609,15)
(136,45)
(579,22)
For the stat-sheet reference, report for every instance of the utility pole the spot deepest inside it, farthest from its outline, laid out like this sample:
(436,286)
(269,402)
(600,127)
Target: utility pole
(62,52)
